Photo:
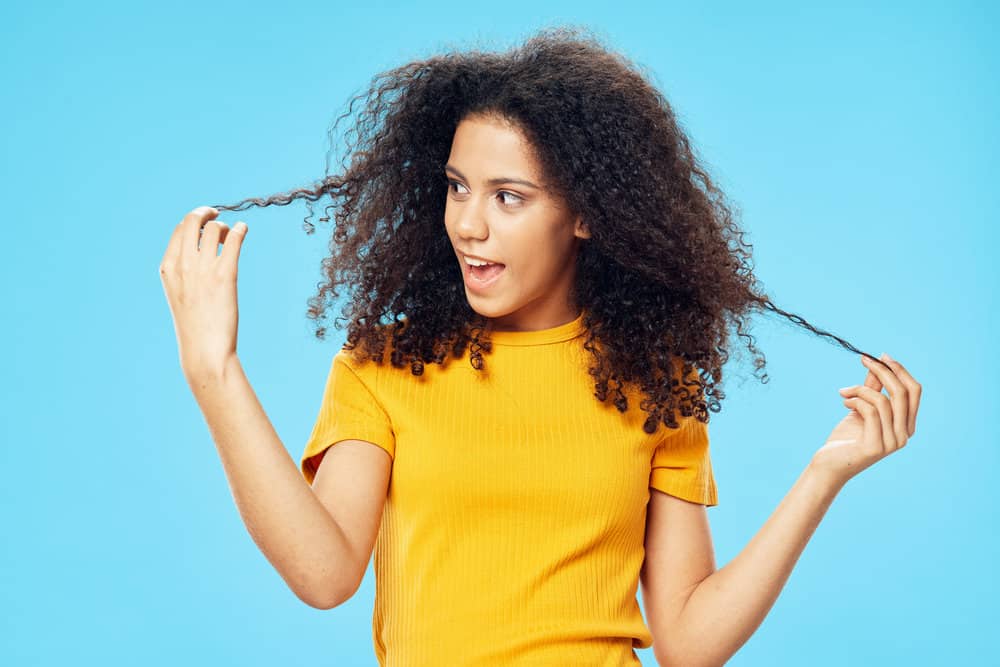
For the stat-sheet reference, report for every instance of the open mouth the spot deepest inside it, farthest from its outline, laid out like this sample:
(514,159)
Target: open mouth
(481,277)
(485,274)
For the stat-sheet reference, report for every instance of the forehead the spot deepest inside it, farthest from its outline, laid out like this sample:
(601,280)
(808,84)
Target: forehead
(486,143)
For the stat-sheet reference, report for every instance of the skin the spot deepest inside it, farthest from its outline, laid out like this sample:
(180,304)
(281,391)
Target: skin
(315,538)
(526,228)
(698,615)
(702,616)
(200,285)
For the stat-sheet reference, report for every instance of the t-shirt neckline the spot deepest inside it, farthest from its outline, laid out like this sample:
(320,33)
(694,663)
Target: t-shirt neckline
(554,334)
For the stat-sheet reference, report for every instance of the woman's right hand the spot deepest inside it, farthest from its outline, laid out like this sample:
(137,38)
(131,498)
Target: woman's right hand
(201,289)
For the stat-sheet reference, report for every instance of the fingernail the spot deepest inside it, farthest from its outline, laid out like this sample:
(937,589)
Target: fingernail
(843,389)
(886,357)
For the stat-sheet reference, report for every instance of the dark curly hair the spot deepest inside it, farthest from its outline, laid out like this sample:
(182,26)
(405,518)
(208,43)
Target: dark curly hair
(664,275)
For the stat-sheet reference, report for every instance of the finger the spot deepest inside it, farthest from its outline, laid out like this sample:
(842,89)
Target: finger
(897,396)
(208,249)
(193,222)
(173,251)
(880,403)
(233,244)
(913,390)
(871,431)
(871,380)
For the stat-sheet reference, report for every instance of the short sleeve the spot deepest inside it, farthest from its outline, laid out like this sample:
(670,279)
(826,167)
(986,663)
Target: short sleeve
(682,465)
(349,410)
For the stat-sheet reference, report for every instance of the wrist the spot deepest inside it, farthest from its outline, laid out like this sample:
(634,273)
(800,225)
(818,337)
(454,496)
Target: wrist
(824,480)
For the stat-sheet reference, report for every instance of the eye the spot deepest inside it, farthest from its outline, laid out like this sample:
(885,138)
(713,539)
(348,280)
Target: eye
(518,200)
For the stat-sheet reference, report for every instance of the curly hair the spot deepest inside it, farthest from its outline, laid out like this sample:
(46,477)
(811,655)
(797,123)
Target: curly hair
(663,277)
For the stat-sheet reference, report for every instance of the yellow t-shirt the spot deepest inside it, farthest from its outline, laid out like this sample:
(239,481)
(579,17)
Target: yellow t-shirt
(513,529)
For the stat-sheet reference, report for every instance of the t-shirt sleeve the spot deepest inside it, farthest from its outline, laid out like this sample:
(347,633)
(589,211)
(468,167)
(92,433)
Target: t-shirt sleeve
(682,465)
(349,410)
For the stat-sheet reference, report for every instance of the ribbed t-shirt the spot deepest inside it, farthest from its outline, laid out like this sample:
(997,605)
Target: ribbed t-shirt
(513,527)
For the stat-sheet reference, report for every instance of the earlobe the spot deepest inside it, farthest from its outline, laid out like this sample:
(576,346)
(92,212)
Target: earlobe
(581,228)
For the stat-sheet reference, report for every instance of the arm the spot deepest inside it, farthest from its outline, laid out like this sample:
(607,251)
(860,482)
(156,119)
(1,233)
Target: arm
(726,608)
(283,515)
(297,533)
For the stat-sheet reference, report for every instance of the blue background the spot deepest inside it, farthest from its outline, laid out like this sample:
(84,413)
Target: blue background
(859,142)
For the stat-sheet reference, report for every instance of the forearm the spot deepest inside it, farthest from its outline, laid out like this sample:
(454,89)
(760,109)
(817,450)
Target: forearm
(283,515)
(727,607)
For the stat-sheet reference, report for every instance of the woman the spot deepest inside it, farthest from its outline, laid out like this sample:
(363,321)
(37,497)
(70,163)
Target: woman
(527,235)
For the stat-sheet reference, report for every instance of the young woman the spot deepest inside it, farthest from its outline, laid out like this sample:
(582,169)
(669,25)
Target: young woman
(552,276)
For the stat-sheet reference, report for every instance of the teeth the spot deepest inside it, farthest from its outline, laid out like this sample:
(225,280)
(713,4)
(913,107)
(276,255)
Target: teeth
(476,262)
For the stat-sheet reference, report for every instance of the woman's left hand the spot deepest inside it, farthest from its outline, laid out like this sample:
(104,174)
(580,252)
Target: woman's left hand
(876,425)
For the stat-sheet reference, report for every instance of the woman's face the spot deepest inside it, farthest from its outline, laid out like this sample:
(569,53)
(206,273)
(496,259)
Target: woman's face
(498,209)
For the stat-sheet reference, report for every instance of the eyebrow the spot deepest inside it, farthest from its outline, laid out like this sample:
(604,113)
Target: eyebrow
(494,181)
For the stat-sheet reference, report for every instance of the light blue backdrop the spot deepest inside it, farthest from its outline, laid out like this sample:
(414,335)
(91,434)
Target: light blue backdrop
(860,143)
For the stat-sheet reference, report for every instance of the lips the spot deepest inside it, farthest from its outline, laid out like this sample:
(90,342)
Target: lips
(486,273)
(476,284)
(482,259)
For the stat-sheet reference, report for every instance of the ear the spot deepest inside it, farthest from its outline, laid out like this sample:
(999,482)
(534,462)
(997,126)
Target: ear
(581,229)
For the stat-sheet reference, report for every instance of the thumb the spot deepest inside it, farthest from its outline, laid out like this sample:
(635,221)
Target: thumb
(871,380)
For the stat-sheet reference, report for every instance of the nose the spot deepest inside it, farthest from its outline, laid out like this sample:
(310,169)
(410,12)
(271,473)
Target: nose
(471,222)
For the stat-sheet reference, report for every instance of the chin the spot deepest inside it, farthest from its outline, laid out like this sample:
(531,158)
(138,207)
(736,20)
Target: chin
(486,309)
